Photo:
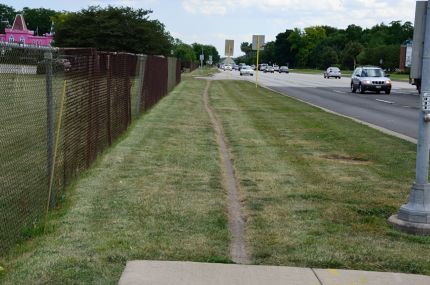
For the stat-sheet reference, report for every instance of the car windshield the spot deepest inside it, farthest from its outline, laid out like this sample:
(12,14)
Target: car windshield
(334,69)
(372,73)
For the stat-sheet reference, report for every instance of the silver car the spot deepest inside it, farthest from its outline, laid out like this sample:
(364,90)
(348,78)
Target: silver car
(370,78)
(332,72)
(246,70)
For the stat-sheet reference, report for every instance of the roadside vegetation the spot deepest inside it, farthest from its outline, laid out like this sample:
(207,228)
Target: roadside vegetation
(317,189)
(348,73)
(323,46)
(156,195)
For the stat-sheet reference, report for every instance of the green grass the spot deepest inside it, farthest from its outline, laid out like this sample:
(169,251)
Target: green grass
(317,189)
(157,195)
(23,142)
(317,71)
(202,72)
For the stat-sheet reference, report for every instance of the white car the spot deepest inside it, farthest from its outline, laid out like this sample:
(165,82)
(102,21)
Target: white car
(246,70)
(228,67)
(332,72)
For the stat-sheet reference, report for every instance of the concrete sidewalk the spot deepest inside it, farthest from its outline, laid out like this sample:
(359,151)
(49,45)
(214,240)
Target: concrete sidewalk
(192,273)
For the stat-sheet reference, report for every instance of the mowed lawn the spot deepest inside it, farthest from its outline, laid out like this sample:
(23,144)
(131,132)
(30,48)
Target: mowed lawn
(156,195)
(318,189)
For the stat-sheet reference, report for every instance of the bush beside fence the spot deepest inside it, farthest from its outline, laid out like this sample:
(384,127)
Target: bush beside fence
(55,123)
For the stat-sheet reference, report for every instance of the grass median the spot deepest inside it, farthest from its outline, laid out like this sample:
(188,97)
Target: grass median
(156,195)
(347,73)
(317,188)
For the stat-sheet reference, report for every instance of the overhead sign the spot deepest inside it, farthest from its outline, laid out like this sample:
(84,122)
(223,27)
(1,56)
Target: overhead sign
(418,42)
(229,47)
(256,41)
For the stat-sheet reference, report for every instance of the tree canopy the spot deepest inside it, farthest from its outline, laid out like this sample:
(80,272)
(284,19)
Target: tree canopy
(207,51)
(323,46)
(113,29)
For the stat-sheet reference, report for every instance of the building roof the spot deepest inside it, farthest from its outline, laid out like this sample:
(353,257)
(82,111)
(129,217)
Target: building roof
(19,23)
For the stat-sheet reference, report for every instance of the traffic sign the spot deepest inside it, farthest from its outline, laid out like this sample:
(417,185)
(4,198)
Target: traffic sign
(258,42)
(229,47)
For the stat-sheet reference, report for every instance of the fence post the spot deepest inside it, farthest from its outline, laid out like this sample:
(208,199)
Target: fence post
(50,121)
(108,105)
(140,88)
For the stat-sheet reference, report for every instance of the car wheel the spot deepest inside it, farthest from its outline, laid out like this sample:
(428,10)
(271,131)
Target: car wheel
(388,91)
(361,89)
(353,89)
(241,74)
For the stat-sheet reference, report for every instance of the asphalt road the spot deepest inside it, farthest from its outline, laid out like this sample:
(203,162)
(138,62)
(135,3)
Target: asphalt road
(397,112)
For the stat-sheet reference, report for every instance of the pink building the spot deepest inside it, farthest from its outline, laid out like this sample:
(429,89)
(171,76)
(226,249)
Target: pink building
(20,34)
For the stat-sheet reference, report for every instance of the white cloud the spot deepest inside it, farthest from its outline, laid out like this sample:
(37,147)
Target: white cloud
(322,12)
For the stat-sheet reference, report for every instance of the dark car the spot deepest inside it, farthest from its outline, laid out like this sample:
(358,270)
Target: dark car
(370,78)
(284,69)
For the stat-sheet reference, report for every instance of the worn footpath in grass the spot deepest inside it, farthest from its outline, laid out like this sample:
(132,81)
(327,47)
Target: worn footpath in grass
(157,196)
(317,188)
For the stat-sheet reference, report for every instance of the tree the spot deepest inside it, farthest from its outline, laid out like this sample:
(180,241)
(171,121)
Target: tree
(39,19)
(268,54)
(207,51)
(7,15)
(283,54)
(388,53)
(296,45)
(350,53)
(184,52)
(328,57)
(113,29)
(246,47)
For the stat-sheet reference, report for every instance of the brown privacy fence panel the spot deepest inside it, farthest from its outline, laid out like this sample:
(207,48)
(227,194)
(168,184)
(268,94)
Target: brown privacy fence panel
(86,99)
(155,83)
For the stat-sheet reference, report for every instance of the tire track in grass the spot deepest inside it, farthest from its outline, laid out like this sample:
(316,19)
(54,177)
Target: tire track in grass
(236,221)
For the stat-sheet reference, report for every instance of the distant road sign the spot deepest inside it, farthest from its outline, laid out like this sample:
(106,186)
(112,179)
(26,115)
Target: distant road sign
(202,57)
(258,39)
(210,58)
(229,47)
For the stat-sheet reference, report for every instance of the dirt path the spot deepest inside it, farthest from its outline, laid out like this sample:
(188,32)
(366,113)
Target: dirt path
(236,222)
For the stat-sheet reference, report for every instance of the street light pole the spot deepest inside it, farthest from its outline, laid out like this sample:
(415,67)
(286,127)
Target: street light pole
(414,217)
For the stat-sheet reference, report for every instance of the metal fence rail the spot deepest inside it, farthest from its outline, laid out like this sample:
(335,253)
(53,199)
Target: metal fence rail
(59,109)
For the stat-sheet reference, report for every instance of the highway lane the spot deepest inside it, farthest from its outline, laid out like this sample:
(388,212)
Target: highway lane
(397,112)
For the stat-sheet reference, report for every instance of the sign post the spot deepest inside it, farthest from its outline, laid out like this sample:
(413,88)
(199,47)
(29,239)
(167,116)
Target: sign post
(229,48)
(257,44)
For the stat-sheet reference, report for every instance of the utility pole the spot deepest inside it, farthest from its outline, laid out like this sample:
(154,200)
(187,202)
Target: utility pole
(414,217)
(202,57)
(258,57)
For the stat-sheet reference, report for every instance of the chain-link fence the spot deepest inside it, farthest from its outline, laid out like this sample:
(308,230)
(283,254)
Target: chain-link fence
(59,109)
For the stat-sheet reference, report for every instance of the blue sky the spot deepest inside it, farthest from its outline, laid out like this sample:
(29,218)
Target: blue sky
(213,21)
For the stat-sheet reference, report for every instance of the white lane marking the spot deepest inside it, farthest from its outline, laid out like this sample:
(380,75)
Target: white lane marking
(340,92)
(405,106)
(384,101)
